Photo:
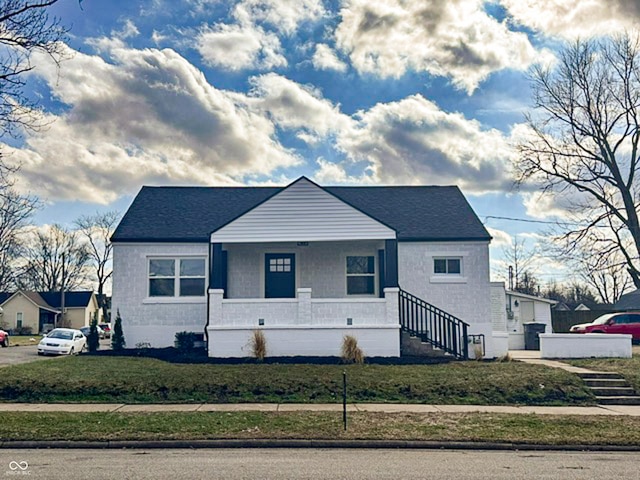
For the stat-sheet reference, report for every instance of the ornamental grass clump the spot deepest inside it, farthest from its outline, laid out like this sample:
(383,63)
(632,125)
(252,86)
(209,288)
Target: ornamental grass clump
(351,352)
(258,344)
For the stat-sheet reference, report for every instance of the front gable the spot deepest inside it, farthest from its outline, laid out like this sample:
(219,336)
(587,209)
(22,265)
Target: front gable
(302,212)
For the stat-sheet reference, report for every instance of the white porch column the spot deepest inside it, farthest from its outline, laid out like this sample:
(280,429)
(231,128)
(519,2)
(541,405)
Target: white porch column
(393,308)
(215,306)
(304,306)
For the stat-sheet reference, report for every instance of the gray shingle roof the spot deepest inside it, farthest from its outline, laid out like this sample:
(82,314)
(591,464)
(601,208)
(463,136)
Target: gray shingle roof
(71,299)
(190,214)
(629,301)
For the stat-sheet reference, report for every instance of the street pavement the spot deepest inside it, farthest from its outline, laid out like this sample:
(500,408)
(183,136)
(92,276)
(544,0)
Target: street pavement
(300,464)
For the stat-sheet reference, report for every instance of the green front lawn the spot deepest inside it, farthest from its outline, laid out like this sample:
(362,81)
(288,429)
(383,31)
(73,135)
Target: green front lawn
(144,380)
(530,429)
(21,340)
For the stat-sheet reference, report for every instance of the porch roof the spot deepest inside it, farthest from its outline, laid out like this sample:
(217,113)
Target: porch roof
(303,211)
(190,214)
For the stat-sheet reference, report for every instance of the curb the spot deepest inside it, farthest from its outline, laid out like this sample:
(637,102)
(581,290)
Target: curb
(277,443)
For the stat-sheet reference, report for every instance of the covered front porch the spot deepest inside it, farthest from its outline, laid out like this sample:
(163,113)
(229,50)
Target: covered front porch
(304,296)
(306,269)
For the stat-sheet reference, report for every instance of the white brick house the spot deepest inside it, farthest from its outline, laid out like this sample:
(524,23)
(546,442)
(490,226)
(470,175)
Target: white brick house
(306,265)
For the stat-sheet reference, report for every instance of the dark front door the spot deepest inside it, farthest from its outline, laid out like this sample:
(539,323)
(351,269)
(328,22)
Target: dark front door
(280,275)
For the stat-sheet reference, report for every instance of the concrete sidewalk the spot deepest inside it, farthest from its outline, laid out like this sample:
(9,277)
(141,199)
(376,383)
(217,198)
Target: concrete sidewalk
(630,410)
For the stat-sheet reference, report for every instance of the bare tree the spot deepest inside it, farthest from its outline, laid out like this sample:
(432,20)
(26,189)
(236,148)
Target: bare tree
(56,259)
(25,28)
(606,275)
(583,143)
(519,261)
(96,231)
(15,212)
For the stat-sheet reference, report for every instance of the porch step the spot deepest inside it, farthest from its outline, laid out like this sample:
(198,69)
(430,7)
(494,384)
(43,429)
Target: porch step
(414,346)
(610,388)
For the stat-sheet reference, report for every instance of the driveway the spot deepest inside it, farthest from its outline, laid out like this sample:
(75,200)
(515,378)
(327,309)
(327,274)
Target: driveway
(17,355)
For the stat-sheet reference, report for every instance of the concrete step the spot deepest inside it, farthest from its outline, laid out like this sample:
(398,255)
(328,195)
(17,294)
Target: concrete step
(613,391)
(605,382)
(623,400)
(600,375)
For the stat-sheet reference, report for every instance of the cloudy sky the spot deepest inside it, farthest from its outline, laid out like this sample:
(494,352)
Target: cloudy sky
(215,92)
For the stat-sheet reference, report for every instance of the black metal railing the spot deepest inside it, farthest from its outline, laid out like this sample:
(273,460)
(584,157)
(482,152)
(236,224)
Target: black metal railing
(433,325)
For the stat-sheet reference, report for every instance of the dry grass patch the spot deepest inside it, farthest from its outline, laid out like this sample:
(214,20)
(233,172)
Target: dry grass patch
(474,427)
(144,380)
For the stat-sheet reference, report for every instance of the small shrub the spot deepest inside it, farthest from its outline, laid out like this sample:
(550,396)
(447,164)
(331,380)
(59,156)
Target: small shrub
(25,330)
(184,341)
(93,340)
(258,345)
(506,358)
(117,339)
(351,352)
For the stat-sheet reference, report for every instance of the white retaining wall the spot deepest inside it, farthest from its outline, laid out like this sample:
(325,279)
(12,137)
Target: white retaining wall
(571,345)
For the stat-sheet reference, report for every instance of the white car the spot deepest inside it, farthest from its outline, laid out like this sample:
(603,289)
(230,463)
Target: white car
(62,341)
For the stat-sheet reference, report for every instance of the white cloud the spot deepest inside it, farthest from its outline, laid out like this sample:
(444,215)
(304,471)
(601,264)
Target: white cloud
(128,30)
(500,237)
(239,47)
(330,173)
(295,106)
(575,18)
(412,141)
(453,38)
(324,58)
(283,15)
(251,40)
(149,117)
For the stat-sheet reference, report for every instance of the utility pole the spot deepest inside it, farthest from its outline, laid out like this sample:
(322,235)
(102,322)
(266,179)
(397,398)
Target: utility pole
(62,292)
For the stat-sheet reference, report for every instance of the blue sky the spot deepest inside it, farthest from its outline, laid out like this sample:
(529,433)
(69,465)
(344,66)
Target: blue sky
(212,92)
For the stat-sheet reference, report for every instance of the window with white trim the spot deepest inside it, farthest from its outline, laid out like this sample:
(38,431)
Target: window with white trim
(447,266)
(177,277)
(361,275)
(19,318)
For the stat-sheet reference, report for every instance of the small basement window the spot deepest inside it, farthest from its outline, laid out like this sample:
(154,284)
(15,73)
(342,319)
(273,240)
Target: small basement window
(361,275)
(447,266)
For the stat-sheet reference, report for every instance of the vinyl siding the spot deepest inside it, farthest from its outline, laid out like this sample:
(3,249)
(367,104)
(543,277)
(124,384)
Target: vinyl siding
(302,212)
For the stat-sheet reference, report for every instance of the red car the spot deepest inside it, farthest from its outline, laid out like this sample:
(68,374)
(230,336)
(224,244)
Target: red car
(4,338)
(625,322)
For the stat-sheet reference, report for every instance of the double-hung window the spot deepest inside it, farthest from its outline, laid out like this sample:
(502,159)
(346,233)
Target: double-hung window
(361,275)
(177,277)
(447,266)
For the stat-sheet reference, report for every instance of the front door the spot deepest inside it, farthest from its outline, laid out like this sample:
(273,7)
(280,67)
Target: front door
(280,275)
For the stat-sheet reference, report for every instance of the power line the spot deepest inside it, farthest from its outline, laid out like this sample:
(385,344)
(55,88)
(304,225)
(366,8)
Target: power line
(526,220)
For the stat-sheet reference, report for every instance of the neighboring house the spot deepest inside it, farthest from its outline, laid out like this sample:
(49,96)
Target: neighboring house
(511,310)
(41,310)
(628,301)
(305,264)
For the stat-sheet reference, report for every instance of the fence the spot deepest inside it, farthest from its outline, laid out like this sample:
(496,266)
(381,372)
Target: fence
(563,320)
